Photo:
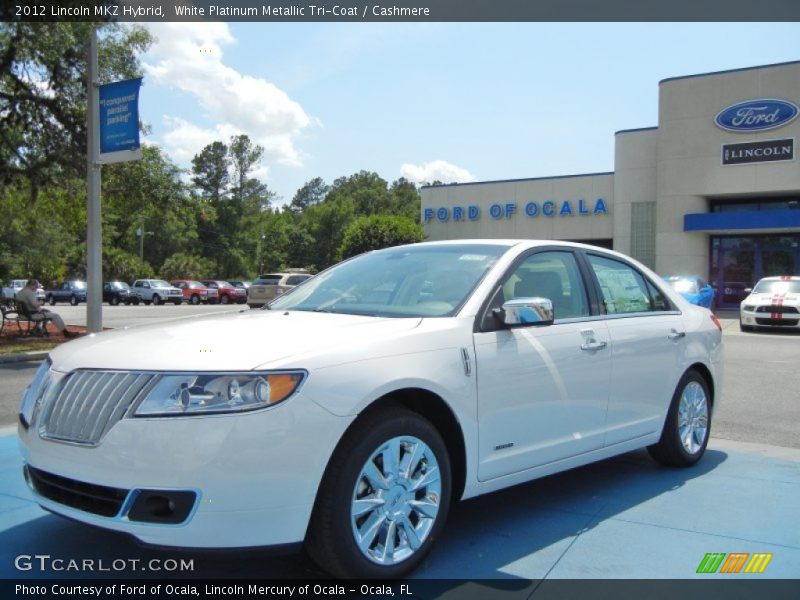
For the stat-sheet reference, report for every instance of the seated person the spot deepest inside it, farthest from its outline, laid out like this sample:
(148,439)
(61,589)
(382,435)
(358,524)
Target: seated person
(27,296)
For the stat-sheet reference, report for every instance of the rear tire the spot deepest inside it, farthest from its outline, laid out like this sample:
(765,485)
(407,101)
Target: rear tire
(50,300)
(688,426)
(384,498)
(224,299)
(73,300)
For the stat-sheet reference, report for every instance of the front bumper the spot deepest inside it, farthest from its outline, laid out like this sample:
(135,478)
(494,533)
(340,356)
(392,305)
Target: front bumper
(769,316)
(254,475)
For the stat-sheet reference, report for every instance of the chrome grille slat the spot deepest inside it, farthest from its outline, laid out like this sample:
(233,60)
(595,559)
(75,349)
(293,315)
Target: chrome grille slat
(88,399)
(101,418)
(69,393)
(86,420)
(71,413)
(91,403)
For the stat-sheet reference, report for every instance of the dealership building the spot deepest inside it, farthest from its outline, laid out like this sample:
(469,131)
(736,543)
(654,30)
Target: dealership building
(713,190)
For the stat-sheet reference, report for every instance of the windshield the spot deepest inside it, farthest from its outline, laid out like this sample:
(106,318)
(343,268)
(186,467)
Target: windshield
(79,285)
(409,281)
(777,287)
(119,285)
(159,283)
(684,286)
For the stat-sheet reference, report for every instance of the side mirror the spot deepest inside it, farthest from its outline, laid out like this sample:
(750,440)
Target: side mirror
(525,312)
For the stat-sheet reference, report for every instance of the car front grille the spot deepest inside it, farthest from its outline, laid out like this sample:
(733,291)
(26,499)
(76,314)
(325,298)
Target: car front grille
(90,403)
(97,499)
(777,322)
(778,310)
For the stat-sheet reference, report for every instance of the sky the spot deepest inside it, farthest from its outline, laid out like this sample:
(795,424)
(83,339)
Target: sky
(454,102)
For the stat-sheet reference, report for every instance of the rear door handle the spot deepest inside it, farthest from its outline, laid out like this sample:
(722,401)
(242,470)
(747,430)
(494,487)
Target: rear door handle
(593,345)
(674,334)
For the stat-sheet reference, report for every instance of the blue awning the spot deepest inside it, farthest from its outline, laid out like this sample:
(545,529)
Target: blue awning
(746,219)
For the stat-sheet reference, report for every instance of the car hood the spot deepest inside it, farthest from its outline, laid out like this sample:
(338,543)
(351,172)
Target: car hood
(240,341)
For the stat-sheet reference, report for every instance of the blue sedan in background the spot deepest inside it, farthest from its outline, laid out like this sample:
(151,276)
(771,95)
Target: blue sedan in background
(693,288)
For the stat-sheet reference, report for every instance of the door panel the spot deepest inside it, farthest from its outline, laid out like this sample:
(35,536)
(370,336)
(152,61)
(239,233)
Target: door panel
(646,368)
(541,397)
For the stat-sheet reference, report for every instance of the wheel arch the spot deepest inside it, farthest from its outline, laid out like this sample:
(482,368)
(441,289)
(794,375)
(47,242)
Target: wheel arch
(705,373)
(432,407)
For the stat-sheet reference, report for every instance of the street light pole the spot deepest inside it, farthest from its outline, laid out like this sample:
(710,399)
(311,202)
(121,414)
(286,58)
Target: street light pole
(140,234)
(94,235)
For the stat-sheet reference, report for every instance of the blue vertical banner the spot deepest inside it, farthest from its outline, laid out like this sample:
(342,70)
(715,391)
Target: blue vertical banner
(119,121)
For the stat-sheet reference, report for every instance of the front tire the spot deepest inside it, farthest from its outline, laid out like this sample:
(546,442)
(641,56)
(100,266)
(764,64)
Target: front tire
(384,498)
(224,299)
(685,436)
(156,300)
(114,301)
(195,299)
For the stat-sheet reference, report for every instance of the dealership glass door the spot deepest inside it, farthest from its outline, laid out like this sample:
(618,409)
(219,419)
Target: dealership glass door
(738,263)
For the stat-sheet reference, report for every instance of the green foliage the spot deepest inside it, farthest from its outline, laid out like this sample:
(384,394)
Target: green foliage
(185,266)
(125,266)
(379,231)
(43,95)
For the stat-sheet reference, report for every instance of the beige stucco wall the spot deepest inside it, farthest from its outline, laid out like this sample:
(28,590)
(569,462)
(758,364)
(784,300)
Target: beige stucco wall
(559,189)
(634,179)
(688,155)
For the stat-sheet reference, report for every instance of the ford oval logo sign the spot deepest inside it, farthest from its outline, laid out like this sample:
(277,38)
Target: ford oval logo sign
(757,115)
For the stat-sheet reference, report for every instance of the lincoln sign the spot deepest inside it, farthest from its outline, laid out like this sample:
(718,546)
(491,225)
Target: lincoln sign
(758,152)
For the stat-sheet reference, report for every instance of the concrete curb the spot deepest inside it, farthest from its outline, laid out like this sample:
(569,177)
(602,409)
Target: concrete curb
(23,357)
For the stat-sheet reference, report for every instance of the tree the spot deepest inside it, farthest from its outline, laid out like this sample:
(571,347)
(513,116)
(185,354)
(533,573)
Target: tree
(186,266)
(368,192)
(43,94)
(210,171)
(326,222)
(243,157)
(379,231)
(313,192)
(405,199)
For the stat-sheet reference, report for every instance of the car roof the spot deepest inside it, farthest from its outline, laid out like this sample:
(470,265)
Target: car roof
(781,278)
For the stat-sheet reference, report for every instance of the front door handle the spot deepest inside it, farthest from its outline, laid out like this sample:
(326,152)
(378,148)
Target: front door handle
(593,345)
(674,334)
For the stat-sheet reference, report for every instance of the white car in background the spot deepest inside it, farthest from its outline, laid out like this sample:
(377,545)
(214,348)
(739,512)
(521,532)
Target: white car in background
(774,302)
(352,411)
(157,291)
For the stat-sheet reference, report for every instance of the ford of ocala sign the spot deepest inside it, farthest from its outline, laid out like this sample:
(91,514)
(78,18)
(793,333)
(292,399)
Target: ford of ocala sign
(757,115)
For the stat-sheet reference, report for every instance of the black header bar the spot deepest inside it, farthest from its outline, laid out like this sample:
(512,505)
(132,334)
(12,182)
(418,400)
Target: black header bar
(401,10)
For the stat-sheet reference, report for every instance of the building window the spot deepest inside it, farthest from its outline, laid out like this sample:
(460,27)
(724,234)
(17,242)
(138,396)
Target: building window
(747,204)
(643,233)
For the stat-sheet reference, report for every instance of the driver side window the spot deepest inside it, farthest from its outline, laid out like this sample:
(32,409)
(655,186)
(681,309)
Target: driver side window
(551,275)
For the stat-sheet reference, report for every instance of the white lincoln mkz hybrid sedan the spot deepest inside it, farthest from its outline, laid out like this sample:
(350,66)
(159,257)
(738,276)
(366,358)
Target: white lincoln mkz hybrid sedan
(353,410)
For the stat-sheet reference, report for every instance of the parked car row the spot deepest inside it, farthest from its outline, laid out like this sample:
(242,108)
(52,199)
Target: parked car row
(147,291)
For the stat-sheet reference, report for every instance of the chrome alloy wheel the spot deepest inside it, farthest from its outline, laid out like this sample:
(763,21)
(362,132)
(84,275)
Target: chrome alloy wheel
(693,417)
(396,500)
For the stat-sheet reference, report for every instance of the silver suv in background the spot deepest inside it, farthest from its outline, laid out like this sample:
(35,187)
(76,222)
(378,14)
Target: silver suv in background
(157,291)
(9,290)
(266,288)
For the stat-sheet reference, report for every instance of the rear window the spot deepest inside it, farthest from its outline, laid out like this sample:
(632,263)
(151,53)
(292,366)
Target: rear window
(269,279)
(297,279)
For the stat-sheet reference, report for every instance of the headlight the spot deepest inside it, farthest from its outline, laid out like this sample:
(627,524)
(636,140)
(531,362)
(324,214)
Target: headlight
(33,393)
(193,393)
(748,308)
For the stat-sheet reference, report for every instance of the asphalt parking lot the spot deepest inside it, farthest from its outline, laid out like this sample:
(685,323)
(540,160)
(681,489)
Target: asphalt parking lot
(621,518)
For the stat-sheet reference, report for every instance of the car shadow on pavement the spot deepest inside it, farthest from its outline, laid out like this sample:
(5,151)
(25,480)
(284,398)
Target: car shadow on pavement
(528,526)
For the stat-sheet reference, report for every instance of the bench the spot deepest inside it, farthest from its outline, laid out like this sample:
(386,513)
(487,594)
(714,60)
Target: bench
(19,314)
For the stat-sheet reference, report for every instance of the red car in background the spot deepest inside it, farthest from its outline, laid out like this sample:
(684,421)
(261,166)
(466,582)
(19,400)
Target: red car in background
(226,293)
(195,292)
